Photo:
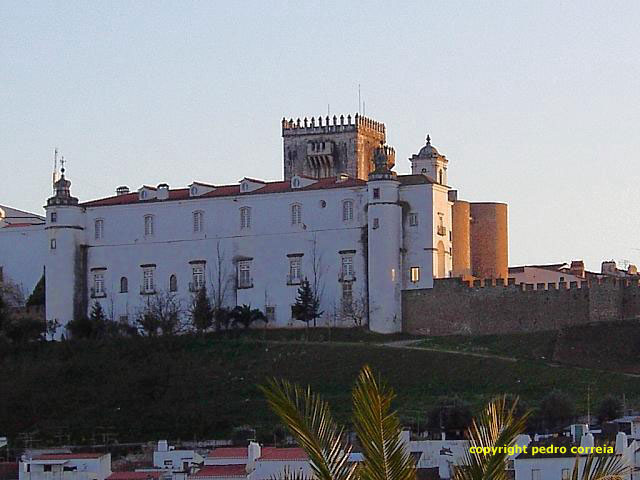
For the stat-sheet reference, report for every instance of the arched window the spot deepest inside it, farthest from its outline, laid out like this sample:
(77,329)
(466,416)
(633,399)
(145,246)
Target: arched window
(198,221)
(98,228)
(347,210)
(441,176)
(245,217)
(296,214)
(173,283)
(148,225)
(124,285)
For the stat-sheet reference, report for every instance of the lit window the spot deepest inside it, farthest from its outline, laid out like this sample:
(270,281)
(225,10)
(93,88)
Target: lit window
(244,274)
(296,214)
(347,210)
(53,244)
(413,219)
(376,223)
(197,272)
(198,221)
(173,283)
(415,274)
(148,225)
(148,284)
(294,271)
(54,217)
(347,267)
(124,285)
(98,229)
(376,193)
(98,284)
(245,217)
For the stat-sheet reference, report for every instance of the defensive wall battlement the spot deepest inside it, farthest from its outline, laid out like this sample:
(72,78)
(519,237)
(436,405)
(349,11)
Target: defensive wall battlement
(484,307)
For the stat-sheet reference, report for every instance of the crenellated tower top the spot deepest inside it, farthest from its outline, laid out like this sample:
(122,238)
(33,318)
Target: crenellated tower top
(327,146)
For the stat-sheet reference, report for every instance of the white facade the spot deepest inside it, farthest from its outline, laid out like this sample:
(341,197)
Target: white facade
(167,457)
(69,466)
(358,243)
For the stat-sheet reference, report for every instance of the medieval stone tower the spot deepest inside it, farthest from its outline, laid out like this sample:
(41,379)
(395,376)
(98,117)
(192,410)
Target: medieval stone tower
(327,147)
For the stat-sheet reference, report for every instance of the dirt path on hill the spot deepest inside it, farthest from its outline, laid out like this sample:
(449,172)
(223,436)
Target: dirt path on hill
(410,345)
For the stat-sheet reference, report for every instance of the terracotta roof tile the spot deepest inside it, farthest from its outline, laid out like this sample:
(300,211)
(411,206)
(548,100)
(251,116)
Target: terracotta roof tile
(135,475)
(228,191)
(221,471)
(229,452)
(69,456)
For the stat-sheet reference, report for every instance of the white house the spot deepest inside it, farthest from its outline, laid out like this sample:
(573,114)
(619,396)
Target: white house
(253,462)
(23,249)
(359,243)
(166,457)
(66,466)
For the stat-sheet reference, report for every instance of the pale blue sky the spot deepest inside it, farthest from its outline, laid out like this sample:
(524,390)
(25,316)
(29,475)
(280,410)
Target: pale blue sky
(534,103)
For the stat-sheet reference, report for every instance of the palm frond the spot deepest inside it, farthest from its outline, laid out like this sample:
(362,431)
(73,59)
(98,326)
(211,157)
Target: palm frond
(309,419)
(497,426)
(288,474)
(378,429)
(601,467)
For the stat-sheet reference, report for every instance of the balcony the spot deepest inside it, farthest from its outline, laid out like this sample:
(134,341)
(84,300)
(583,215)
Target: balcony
(98,293)
(442,230)
(294,279)
(145,291)
(195,286)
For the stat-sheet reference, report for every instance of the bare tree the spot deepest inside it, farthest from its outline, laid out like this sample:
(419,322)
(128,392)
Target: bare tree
(162,314)
(318,270)
(221,280)
(12,293)
(355,310)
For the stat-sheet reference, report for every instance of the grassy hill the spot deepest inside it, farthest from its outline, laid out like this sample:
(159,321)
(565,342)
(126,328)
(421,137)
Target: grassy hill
(186,387)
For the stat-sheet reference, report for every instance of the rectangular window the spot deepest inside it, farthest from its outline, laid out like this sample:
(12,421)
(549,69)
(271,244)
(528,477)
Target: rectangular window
(148,225)
(148,284)
(47,468)
(245,217)
(244,275)
(535,474)
(442,230)
(415,274)
(53,244)
(347,293)
(413,219)
(565,474)
(198,277)
(376,193)
(123,318)
(295,273)
(98,284)
(347,268)
(98,229)
(376,223)
(270,313)
(198,218)
(54,217)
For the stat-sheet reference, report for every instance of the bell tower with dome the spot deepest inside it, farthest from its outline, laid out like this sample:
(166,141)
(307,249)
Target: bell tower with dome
(430,162)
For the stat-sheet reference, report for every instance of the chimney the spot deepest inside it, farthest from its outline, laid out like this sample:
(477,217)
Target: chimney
(254,453)
(163,446)
(621,442)
(577,268)
(586,441)
(163,191)
(608,267)
(122,190)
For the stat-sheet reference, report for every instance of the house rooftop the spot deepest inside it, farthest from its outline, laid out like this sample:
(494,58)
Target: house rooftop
(218,471)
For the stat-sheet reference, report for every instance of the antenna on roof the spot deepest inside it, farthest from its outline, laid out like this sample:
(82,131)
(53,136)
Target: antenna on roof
(359,103)
(55,170)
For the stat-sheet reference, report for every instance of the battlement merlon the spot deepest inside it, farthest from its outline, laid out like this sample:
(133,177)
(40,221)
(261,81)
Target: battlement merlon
(327,124)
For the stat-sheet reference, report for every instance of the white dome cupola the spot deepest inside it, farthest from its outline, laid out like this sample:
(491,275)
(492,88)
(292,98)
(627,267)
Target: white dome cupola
(428,161)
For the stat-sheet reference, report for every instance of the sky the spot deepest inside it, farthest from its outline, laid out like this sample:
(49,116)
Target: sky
(536,104)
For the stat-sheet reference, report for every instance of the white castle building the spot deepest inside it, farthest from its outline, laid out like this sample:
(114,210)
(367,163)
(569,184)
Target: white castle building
(341,218)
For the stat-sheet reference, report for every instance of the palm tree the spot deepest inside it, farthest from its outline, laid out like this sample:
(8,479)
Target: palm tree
(245,315)
(309,419)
